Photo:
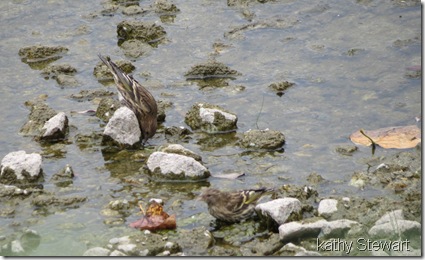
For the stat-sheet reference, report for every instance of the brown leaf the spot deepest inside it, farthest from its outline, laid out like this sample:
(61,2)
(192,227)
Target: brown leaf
(399,137)
(155,219)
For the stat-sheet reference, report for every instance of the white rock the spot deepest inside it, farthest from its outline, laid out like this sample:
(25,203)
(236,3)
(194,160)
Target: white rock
(117,253)
(390,216)
(127,248)
(21,162)
(298,250)
(327,207)
(16,247)
(396,228)
(208,114)
(120,240)
(337,228)
(295,230)
(97,251)
(176,166)
(280,209)
(55,127)
(123,127)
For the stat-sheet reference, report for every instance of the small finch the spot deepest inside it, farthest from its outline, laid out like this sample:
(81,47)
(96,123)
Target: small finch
(137,98)
(232,206)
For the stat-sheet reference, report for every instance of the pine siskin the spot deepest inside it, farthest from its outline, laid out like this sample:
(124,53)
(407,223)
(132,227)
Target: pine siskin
(232,206)
(137,98)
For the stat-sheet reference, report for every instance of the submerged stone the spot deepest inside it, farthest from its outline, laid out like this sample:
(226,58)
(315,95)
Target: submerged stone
(211,118)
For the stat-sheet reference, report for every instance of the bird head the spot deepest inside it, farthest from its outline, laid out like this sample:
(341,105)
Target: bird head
(149,128)
(208,195)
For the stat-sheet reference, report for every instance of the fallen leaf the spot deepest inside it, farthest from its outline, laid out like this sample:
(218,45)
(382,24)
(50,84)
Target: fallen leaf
(155,219)
(399,137)
(230,176)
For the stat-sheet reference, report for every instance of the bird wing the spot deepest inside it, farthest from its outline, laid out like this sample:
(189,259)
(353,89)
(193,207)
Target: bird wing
(130,88)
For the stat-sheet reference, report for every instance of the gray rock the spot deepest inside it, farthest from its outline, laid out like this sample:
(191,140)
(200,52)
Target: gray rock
(106,108)
(327,207)
(21,167)
(391,216)
(135,48)
(210,118)
(164,6)
(280,209)
(123,128)
(133,10)
(263,139)
(40,113)
(396,228)
(145,31)
(67,80)
(55,128)
(97,251)
(175,167)
(337,228)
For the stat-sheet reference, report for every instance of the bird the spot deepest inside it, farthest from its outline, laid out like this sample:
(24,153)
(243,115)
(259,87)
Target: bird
(137,98)
(232,207)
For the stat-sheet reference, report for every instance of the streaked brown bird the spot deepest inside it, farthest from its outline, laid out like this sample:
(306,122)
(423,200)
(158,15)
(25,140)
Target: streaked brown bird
(137,98)
(232,207)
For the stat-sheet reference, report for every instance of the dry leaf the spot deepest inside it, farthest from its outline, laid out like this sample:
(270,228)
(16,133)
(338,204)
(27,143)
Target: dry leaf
(399,137)
(155,219)
(230,176)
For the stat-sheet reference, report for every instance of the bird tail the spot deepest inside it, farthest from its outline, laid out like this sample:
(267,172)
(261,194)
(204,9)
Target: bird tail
(251,196)
(123,80)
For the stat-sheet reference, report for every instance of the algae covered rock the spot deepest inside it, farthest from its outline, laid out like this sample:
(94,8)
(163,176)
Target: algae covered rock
(263,139)
(211,118)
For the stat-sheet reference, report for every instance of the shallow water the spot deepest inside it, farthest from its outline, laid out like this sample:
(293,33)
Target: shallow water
(344,56)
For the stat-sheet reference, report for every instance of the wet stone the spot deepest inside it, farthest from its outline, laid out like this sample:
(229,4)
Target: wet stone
(327,207)
(280,210)
(64,177)
(67,80)
(133,10)
(346,149)
(148,32)
(135,48)
(55,129)
(170,166)
(211,69)
(52,71)
(211,118)
(179,149)
(39,53)
(405,228)
(21,168)
(165,6)
(55,201)
(263,139)
(177,133)
(40,113)
(122,129)
(87,95)
(106,108)
(280,87)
